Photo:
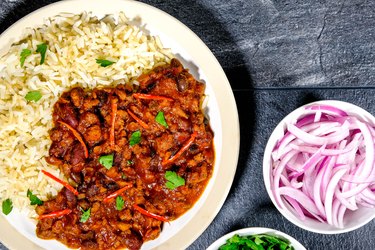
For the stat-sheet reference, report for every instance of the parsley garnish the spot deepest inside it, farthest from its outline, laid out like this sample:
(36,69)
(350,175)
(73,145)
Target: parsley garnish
(34,200)
(106,161)
(85,215)
(173,180)
(42,49)
(25,53)
(161,119)
(104,63)
(135,138)
(7,206)
(33,96)
(119,203)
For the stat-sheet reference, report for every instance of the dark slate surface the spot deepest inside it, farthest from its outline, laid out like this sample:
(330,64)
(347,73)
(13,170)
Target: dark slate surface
(278,55)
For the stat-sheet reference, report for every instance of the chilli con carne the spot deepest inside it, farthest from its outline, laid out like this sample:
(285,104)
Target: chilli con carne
(125,202)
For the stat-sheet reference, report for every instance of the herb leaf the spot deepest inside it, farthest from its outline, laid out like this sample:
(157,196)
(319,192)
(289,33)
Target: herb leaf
(258,241)
(34,200)
(173,180)
(42,49)
(25,53)
(106,161)
(104,63)
(119,203)
(135,138)
(161,119)
(33,96)
(85,215)
(7,206)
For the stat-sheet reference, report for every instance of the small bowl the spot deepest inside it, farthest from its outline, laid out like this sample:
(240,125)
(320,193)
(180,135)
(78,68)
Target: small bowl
(256,230)
(352,219)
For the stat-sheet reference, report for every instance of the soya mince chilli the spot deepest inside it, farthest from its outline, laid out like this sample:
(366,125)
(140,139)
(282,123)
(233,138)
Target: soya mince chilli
(139,156)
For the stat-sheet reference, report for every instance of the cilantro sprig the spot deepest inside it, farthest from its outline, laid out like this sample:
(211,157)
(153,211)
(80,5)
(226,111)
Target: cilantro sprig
(33,96)
(7,206)
(119,203)
(106,161)
(24,54)
(161,119)
(34,200)
(85,215)
(173,180)
(258,241)
(42,49)
(135,138)
(104,62)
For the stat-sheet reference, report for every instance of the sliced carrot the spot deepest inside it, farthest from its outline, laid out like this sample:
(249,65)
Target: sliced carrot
(149,214)
(116,193)
(65,184)
(182,149)
(112,131)
(151,97)
(78,136)
(55,214)
(142,123)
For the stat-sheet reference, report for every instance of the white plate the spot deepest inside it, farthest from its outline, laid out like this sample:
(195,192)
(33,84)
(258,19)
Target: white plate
(256,230)
(18,232)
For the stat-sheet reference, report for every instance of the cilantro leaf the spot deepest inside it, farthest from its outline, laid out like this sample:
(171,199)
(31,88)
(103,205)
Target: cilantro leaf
(34,200)
(85,215)
(42,49)
(173,180)
(104,63)
(106,161)
(161,119)
(135,138)
(25,53)
(259,242)
(119,203)
(7,206)
(33,96)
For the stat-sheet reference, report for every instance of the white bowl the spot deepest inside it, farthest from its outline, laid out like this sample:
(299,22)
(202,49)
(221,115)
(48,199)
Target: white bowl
(253,231)
(353,219)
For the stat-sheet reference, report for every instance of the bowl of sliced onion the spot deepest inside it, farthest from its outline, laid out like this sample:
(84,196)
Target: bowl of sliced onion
(319,167)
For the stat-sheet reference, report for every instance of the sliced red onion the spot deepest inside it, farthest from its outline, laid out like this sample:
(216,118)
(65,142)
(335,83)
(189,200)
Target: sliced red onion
(324,165)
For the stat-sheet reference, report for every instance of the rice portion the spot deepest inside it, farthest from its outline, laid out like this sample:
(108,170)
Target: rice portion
(74,43)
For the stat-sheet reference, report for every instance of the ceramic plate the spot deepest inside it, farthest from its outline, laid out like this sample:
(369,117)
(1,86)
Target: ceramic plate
(18,232)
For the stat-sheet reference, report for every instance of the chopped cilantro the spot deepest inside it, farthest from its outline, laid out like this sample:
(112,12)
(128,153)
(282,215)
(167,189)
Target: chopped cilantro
(34,200)
(42,49)
(85,215)
(7,206)
(25,53)
(173,180)
(259,241)
(119,203)
(135,138)
(161,119)
(104,63)
(33,96)
(106,161)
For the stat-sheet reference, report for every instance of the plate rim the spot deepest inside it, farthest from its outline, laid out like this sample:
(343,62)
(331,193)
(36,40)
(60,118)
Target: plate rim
(227,109)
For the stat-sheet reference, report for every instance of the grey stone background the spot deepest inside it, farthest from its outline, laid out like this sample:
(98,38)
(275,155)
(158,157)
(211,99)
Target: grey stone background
(278,55)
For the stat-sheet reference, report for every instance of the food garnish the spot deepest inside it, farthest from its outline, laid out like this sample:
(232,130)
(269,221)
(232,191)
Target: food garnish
(173,180)
(256,242)
(182,149)
(149,214)
(142,123)
(135,138)
(113,120)
(34,200)
(55,214)
(65,184)
(151,97)
(78,136)
(25,53)
(323,166)
(161,119)
(119,203)
(33,96)
(85,215)
(106,161)
(42,49)
(7,206)
(117,193)
(104,62)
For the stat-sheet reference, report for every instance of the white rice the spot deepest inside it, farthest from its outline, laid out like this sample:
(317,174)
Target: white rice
(74,44)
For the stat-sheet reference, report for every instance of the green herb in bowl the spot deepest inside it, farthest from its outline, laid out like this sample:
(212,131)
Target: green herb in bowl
(257,242)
